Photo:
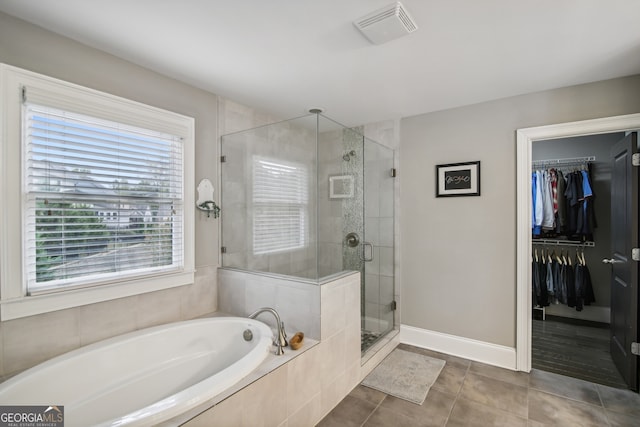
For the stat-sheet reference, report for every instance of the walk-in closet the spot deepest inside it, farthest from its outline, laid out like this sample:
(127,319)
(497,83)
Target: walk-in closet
(571,287)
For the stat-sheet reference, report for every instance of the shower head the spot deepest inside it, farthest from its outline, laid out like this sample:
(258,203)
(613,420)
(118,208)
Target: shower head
(347,156)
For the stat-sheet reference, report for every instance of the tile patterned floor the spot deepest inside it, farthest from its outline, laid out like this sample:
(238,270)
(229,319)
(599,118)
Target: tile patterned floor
(474,394)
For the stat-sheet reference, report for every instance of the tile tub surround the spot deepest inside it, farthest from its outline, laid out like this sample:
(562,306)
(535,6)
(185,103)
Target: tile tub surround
(240,293)
(31,340)
(470,393)
(302,391)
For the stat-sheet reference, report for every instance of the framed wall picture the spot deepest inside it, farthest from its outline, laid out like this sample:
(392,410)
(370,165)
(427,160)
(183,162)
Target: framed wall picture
(458,179)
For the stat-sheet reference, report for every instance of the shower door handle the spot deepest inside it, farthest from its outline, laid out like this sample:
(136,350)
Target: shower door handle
(363,256)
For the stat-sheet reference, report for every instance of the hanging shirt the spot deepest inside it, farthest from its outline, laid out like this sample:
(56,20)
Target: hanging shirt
(586,185)
(554,190)
(534,189)
(562,284)
(561,217)
(537,203)
(550,279)
(572,205)
(571,286)
(580,283)
(547,202)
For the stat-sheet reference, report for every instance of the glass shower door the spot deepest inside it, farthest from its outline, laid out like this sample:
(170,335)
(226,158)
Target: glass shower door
(378,305)
(356,220)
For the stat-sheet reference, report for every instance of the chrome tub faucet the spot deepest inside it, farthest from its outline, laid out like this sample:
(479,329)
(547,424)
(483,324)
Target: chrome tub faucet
(281,340)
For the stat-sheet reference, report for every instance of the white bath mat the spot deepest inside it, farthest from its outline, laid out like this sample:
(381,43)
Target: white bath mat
(405,375)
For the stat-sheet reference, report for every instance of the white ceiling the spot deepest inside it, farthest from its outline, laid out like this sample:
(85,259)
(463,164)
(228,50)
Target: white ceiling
(285,56)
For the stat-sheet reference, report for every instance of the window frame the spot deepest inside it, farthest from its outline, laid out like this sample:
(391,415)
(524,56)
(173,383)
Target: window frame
(44,90)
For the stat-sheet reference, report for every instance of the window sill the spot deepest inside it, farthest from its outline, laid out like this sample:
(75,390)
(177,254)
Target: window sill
(31,305)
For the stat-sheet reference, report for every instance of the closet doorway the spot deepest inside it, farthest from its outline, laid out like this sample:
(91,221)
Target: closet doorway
(571,325)
(525,143)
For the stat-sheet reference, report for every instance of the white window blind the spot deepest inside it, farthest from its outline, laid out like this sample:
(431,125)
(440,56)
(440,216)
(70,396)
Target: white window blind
(280,203)
(103,200)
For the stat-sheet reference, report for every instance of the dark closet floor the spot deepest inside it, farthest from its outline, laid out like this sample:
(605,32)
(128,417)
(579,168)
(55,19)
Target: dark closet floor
(574,350)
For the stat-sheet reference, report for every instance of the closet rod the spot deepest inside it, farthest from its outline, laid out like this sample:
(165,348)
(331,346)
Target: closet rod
(556,242)
(564,162)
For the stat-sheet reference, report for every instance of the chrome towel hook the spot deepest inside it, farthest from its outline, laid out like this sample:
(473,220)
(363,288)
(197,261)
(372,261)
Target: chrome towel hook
(209,206)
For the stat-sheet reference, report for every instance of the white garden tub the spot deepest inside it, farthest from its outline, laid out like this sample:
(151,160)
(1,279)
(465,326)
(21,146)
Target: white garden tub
(144,377)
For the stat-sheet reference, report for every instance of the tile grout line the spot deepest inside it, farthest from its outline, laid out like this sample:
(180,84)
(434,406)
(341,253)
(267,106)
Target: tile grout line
(507,382)
(570,398)
(446,421)
(604,409)
(374,410)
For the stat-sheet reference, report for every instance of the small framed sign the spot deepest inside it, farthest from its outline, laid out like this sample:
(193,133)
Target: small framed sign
(458,179)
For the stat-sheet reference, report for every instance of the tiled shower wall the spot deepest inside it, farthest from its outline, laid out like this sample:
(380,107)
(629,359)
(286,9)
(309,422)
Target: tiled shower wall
(241,293)
(353,208)
(338,217)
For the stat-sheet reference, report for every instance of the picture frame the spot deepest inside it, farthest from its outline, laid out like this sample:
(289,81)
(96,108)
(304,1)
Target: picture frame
(458,179)
(341,187)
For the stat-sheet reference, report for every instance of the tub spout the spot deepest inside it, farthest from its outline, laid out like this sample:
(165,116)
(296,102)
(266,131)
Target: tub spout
(281,340)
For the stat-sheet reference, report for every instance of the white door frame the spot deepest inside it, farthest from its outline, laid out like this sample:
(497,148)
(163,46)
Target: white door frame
(524,139)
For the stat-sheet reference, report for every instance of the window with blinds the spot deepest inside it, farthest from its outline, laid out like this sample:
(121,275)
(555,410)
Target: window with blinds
(280,206)
(103,200)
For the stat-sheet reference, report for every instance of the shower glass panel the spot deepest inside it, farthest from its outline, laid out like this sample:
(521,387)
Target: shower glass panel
(269,199)
(311,199)
(378,280)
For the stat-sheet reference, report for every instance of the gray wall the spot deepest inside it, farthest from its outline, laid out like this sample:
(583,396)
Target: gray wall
(32,48)
(458,256)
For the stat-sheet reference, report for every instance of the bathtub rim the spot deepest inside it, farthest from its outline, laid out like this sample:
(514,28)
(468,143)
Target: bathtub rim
(270,364)
(162,412)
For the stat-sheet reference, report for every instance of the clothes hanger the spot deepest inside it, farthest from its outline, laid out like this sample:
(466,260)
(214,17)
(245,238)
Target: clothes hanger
(558,257)
(579,257)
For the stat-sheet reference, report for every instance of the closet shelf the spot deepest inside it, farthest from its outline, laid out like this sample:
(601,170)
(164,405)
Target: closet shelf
(560,242)
(563,162)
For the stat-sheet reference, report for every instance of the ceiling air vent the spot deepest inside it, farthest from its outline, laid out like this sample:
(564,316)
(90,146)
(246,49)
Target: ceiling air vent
(386,24)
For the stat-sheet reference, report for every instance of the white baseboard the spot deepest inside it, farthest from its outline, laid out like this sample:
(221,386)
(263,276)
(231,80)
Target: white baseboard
(479,351)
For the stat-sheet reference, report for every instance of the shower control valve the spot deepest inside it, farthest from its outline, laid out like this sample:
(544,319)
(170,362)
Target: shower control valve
(352,240)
